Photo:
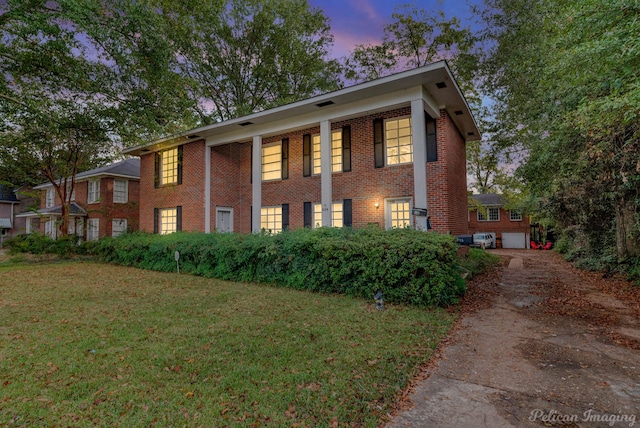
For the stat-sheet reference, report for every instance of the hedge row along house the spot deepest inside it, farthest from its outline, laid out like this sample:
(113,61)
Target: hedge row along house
(390,152)
(104,202)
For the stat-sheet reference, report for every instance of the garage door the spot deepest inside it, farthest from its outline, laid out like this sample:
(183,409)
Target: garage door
(514,240)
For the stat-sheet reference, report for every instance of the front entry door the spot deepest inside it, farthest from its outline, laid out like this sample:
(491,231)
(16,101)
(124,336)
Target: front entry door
(224,220)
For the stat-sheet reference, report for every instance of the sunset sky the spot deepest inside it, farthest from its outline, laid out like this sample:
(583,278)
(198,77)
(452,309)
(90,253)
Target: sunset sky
(361,21)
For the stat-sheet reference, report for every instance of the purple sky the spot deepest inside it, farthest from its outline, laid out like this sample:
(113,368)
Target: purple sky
(361,21)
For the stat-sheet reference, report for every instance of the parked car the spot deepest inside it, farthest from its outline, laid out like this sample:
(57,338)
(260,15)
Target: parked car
(484,240)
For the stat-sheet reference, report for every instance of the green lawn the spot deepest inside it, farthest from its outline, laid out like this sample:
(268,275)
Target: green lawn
(85,344)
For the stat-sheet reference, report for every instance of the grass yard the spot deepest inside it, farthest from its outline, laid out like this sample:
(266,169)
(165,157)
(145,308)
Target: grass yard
(84,344)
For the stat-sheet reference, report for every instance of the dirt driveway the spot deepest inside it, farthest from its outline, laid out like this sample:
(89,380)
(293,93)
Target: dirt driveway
(548,346)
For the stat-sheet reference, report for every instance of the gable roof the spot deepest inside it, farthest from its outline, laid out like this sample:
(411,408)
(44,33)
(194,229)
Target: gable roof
(128,168)
(7,194)
(74,210)
(435,79)
(488,199)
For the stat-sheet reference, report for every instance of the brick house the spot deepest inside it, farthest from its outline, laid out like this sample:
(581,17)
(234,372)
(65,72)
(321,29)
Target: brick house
(12,203)
(105,202)
(487,213)
(386,152)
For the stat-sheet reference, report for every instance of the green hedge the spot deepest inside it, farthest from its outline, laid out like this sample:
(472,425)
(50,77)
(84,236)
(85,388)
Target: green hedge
(408,266)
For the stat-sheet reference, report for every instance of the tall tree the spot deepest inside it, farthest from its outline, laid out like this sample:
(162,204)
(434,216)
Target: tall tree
(250,55)
(78,80)
(565,77)
(414,38)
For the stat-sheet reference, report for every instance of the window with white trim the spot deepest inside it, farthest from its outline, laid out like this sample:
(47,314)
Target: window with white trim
(271,219)
(93,227)
(398,213)
(118,226)
(50,228)
(169,166)
(120,191)
(337,215)
(398,141)
(515,215)
(80,228)
(316,160)
(49,198)
(93,191)
(336,151)
(489,214)
(69,194)
(167,220)
(272,162)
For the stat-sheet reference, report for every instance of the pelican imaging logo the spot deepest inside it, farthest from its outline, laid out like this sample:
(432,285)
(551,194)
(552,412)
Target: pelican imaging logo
(557,418)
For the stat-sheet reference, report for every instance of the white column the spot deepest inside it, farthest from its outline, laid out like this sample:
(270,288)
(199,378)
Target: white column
(419,140)
(325,177)
(207,189)
(256,188)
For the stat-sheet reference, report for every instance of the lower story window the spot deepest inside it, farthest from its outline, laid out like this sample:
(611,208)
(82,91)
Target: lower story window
(337,217)
(93,225)
(271,219)
(118,226)
(398,213)
(168,220)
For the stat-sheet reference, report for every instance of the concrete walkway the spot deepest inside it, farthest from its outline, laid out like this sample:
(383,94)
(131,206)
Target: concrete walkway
(536,357)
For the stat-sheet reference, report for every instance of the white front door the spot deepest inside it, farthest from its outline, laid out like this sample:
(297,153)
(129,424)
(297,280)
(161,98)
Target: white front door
(224,220)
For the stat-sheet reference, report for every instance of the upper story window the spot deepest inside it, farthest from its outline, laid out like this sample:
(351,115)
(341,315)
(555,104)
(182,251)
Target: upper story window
(70,194)
(317,163)
(168,167)
(93,191)
(489,214)
(398,141)
(340,152)
(120,191)
(336,151)
(515,215)
(271,162)
(49,198)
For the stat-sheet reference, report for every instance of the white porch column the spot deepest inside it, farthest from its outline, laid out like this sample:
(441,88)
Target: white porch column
(325,172)
(207,189)
(418,138)
(256,187)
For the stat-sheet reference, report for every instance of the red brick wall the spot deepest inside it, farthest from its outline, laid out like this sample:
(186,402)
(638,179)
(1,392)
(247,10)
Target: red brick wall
(447,180)
(231,183)
(365,185)
(498,227)
(189,194)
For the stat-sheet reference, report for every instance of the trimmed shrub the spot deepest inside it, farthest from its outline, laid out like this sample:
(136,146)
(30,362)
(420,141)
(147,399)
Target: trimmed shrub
(407,266)
(37,243)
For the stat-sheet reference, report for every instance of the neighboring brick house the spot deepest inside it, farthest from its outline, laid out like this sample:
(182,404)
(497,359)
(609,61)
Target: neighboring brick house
(13,202)
(385,152)
(105,202)
(487,213)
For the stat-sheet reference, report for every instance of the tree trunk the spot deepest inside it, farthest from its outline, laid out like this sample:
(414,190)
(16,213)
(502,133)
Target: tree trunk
(627,237)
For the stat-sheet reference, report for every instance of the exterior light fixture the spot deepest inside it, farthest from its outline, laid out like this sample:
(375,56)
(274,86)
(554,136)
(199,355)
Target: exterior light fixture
(376,205)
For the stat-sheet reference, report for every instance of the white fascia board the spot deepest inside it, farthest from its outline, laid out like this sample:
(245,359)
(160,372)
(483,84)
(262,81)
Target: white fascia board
(332,113)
